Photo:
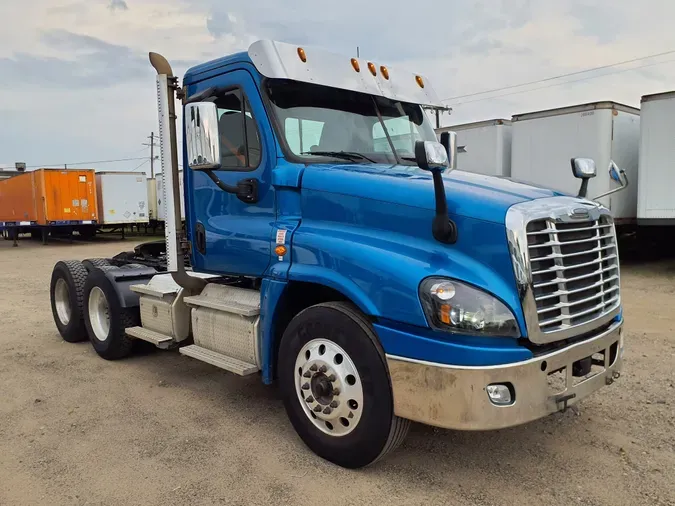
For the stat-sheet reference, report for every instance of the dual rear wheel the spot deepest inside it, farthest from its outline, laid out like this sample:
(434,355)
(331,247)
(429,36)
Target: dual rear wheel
(85,305)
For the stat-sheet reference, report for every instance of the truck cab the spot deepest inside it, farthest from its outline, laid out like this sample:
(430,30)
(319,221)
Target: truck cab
(332,250)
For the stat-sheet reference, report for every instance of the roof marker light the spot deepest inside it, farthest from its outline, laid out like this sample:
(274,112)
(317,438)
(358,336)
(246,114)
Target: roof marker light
(371,67)
(420,81)
(355,64)
(302,55)
(385,72)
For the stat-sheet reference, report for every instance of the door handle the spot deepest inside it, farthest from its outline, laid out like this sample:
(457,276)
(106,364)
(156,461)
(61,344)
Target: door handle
(200,238)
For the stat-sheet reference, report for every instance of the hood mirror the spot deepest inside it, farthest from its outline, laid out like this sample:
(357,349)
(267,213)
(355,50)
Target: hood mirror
(433,156)
(584,169)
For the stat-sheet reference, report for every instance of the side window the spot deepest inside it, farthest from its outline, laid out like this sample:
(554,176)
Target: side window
(403,134)
(302,134)
(239,138)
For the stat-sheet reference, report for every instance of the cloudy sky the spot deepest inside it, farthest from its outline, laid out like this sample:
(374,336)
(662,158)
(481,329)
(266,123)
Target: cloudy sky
(76,85)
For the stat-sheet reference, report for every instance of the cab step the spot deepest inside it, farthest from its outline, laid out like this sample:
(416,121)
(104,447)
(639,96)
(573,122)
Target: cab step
(159,340)
(228,299)
(219,360)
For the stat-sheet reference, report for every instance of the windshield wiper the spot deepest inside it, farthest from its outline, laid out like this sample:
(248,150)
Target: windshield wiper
(347,155)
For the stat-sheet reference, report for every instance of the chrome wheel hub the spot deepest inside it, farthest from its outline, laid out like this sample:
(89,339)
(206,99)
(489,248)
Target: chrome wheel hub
(99,313)
(329,387)
(62,301)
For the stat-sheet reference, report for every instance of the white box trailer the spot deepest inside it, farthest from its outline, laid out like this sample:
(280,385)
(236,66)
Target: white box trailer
(544,142)
(483,147)
(161,207)
(122,198)
(656,181)
(152,199)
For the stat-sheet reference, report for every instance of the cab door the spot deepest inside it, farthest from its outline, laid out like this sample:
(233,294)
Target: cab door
(228,235)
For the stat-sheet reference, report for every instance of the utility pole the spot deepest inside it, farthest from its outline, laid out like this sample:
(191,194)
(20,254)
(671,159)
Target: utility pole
(152,153)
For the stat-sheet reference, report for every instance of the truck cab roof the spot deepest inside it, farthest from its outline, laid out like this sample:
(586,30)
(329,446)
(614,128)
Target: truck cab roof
(195,73)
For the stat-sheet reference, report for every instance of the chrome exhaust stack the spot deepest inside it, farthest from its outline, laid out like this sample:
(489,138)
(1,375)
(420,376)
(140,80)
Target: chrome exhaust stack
(167,84)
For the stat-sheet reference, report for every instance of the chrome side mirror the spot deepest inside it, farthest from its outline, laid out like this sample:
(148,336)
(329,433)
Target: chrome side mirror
(449,141)
(431,156)
(201,136)
(584,169)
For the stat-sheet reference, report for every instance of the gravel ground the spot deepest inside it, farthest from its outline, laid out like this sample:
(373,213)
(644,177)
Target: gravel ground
(159,428)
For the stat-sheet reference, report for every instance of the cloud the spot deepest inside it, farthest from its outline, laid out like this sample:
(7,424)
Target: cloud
(87,62)
(118,5)
(77,84)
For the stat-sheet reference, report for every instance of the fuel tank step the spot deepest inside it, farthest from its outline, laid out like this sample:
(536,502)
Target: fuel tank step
(219,360)
(159,340)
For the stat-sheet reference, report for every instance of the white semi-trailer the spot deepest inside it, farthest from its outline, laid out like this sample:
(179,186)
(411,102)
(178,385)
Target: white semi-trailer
(543,143)
(656,180)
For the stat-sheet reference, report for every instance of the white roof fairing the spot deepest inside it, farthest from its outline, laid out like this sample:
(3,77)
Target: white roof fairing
(278,60)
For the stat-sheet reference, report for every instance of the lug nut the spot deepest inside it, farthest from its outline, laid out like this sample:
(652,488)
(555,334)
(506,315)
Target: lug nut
(317,408)
(336,391)
(331,378)
(305,386)
(309,398)
(307,374)
(327,411)
(312,367)
(323,368)
(334,404)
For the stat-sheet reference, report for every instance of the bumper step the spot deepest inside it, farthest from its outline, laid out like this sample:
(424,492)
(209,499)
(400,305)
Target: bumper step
(219,360)
(159,340)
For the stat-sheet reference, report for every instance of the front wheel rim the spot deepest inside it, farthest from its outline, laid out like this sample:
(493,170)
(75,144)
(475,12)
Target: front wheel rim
(328,387)
(62,301)
(99,313)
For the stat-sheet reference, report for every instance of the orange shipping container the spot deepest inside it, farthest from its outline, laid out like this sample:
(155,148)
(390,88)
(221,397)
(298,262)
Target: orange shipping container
(50,197)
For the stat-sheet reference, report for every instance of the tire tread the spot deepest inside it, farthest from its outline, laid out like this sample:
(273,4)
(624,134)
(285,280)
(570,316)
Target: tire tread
(399,426)
(78,273)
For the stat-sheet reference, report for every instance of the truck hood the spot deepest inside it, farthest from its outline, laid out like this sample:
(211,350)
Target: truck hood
(476,196)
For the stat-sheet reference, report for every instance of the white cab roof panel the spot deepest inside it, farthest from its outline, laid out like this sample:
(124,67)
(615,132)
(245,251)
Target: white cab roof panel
(278,60)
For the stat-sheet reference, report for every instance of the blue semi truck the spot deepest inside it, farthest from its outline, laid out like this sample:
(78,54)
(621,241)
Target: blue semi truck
(329,247)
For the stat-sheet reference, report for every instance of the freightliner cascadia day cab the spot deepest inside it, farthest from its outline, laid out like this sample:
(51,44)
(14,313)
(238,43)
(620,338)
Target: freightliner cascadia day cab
(329,248)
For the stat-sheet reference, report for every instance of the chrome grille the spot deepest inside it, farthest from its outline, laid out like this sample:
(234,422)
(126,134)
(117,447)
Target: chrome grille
(574,270)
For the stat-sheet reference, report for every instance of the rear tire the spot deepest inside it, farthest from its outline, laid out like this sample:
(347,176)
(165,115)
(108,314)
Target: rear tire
(105,319)
(335,386)
(66,292)
(92,263)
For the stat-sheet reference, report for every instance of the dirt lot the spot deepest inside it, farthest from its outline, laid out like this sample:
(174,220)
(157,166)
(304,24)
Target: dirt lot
(159,428)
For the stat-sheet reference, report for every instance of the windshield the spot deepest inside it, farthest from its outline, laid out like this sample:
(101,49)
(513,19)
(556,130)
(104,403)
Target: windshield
(318,121)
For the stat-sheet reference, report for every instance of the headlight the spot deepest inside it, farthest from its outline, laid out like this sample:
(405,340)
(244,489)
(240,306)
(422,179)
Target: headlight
(456,307)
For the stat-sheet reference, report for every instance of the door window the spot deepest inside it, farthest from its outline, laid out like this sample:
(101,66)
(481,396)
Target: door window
(239,138)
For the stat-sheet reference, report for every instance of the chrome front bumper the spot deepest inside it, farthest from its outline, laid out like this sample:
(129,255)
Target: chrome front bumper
(456,398)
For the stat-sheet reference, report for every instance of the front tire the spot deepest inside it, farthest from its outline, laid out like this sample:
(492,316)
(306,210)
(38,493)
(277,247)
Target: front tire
(105,318)
(335,386)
